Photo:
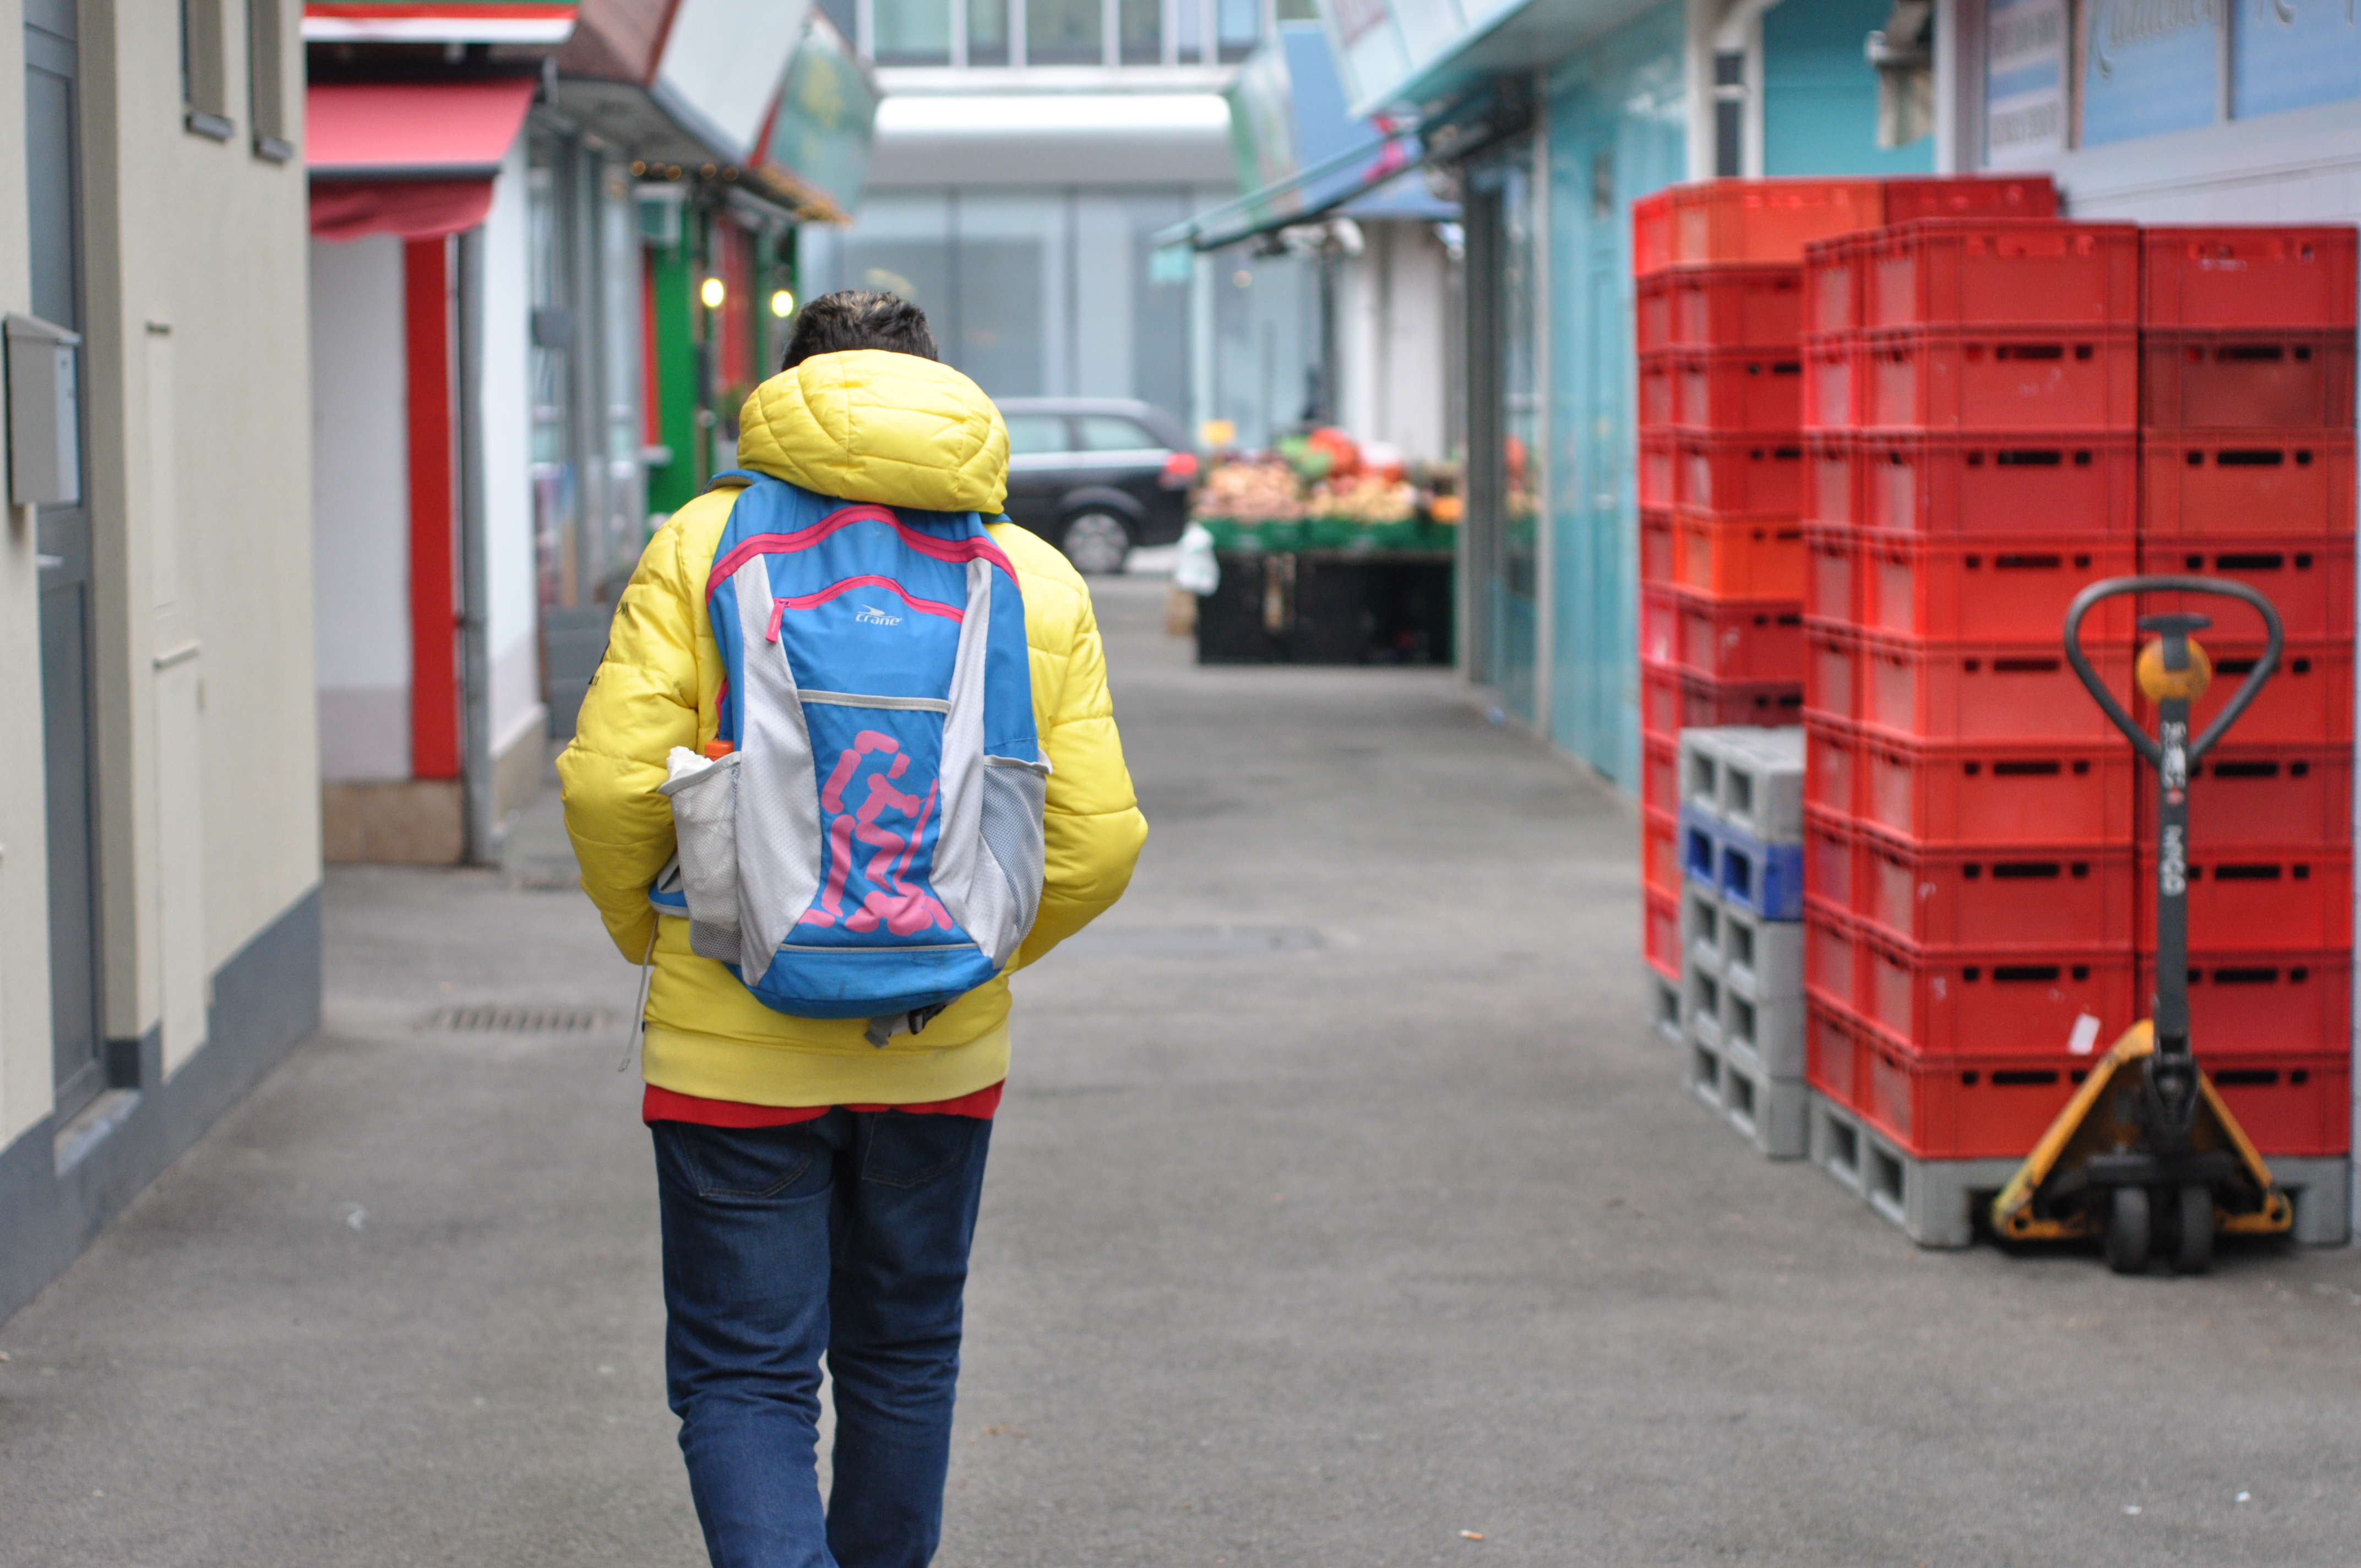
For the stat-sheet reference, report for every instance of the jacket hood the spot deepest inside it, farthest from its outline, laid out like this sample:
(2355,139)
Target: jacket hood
(889,429)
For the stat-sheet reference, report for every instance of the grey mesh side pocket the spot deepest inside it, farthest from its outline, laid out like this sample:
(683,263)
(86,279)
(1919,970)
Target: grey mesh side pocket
(703,793)
(1015,793)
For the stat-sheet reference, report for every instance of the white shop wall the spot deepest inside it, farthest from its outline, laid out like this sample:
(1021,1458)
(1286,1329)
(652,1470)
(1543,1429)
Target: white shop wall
(360,509)
(511,594)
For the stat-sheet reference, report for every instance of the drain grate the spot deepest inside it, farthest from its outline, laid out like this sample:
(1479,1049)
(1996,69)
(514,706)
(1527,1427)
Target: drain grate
(504,1018)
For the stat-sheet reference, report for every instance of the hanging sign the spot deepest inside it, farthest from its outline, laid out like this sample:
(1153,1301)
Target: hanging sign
(2025,83)
(2150,66)
(2291,54)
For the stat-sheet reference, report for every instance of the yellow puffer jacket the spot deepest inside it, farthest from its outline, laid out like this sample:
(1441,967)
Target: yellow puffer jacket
(865,426)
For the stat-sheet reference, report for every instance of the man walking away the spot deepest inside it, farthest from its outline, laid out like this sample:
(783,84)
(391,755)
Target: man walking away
(819,1171)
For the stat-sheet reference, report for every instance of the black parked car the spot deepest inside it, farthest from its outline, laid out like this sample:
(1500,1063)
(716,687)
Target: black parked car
(1096,475)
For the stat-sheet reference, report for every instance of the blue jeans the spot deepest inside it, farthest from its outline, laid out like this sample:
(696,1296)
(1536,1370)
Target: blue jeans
(847,1234)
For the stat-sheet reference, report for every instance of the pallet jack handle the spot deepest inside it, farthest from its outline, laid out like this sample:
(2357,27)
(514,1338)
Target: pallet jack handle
(2174,627)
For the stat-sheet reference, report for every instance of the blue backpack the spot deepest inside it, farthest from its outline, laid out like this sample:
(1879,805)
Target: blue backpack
(869,844)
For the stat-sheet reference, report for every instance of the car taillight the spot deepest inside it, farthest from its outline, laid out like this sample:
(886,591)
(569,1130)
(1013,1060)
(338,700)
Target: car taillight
(1179,471)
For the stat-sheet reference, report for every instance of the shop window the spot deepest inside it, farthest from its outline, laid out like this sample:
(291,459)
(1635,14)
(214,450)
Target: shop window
(1037,435)
(265,79)
(1065,32)
(911,32)
(203,93)
(987,32)
(1238,25)
(1113,433)
(1143,31)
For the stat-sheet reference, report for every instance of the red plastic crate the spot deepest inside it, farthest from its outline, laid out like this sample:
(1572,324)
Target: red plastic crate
(1982,691)
(1832,284)
(1742,476)
(1990,588)
(2003,272)
(1956,1002)
(2247,277)
(1660,774)
(1831,575)
(2049,382)
(2023,897)
(2258,482)
(2296,1106)
(1660,933)
(2308,702)
(2259,897)
(1835,767)
(1660,852)
(1767,220)
(1659,391)
(1982,795)
(1736,307)
(1832,672)
(1652,312)
(2243,795)
(2263,1004)
(1832,853)
(1969,196)
(1658,563)
(1831,479)
(1749,391)
(1749,641)
(1673,699)
(1660,470)
(1970,1107)
(2246,380)
(2009,485)
(1652,234)
(2307,581)
(1835,382)
(1748,559)
(1832,955)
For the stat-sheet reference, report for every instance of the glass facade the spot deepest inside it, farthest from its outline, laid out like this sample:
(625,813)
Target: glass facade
(911,32)
(1033,293)
(1504,463)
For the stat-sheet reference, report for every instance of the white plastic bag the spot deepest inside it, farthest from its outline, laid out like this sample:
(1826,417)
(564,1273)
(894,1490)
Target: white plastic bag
(704,793)
(1195,568)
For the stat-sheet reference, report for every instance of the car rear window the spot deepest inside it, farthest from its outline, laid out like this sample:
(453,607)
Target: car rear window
(1113,433)
(1031,436)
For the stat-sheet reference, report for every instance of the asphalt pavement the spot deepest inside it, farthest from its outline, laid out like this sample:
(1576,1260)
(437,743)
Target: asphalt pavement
(1342,1210)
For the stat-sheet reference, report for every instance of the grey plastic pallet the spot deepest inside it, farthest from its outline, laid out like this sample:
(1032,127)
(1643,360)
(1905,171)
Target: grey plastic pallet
(1941,1203)
(1701,1065)
(1703,933)
(1751,778)
(1664,1003)
(1762,959)
(1772,1113)
(1771,1033)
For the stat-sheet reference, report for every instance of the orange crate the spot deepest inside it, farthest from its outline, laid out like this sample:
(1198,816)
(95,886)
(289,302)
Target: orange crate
(2246,795)
(1658,542)
(1835,376)
(2006,485)
(2307,581)
(1832,284)
(1660,774)
(1740,475)
(1835,761)
(1990,588)
(1982,691)
(2249,482)
(1750,559)
(2247,277)
(1747,641)
(2246,380)
(1673,699)
(1988,378)
(1736,306)
(1832,672)
(1768,220)
(1969,196)
(1660,852)
(2003,272)
(1660,468)
(1753,390)
(1652,312)
(1831,856)
(1831,575)
(1652,234)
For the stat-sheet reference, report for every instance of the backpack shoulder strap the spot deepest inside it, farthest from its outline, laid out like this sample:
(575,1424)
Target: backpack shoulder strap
(740,477)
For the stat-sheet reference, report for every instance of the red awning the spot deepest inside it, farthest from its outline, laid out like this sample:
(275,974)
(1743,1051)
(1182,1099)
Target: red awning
(414,159)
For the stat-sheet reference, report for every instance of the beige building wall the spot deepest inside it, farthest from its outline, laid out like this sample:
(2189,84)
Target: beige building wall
(196,386)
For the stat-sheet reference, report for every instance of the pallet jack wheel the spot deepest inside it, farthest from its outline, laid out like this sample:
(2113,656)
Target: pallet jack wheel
(2128,1231)
(2192,1250)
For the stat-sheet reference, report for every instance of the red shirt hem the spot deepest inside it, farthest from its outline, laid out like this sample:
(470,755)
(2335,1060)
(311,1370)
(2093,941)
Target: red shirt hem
(667,1105)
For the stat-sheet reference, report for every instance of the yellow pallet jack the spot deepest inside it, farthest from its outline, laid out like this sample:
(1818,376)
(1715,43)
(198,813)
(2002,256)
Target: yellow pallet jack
(2145,1156)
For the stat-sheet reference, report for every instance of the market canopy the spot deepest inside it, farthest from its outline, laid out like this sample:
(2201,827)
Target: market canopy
(437,21)
(414,159)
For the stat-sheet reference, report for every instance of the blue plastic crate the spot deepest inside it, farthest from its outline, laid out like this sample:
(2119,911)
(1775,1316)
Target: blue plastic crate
(1765,878)
(1701,845)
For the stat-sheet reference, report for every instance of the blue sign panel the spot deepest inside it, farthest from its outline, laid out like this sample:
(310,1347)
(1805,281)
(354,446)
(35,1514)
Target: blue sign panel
(2290,54)
(2150,66)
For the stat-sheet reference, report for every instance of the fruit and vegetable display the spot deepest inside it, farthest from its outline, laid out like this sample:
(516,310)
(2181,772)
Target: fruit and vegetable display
(1324,490)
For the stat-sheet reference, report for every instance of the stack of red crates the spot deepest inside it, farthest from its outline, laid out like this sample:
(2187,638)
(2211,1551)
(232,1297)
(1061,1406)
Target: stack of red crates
(1719,278)
(1969,876)
(2247,472)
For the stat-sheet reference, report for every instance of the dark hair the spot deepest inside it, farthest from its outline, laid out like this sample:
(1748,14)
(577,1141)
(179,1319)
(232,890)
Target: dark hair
(859,318)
